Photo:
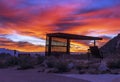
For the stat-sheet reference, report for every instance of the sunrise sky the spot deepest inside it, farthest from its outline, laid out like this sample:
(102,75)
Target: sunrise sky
(24,23)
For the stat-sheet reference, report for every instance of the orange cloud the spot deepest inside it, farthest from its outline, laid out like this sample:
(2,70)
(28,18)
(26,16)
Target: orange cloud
(36,21)
(20,46)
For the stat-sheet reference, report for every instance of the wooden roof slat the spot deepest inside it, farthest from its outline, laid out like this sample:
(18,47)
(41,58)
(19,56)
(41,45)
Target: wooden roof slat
(73,36)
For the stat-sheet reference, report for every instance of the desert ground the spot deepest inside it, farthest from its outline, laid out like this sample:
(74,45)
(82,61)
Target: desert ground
(52,69)
(32,75)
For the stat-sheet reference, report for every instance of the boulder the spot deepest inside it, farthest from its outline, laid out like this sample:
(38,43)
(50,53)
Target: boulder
(103,67)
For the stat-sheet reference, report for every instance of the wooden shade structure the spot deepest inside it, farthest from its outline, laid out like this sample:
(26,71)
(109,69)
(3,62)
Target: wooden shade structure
(56,42)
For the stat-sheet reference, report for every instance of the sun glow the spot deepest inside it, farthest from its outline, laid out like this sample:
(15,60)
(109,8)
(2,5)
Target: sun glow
(25,23)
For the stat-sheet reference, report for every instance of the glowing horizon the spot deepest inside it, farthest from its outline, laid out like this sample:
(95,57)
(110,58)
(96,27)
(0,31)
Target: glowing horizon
(24,23)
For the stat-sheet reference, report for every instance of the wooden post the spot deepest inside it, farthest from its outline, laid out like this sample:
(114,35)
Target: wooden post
(46,46)
(68,46)
(94,42)
(49,45)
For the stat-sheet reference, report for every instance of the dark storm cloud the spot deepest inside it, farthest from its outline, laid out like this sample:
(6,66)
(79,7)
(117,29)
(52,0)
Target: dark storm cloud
(17,11)
(14,20)
(64,26)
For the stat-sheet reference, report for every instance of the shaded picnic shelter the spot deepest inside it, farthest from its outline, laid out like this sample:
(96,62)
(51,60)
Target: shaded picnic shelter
(57,43)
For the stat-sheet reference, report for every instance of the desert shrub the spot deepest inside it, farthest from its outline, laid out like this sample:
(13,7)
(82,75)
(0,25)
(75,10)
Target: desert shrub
(81,66)
(4,55)
(78,67)
(25,62)
(51,62)
(40,59)
(62,67)
(12,61)
(114,64)
(7,60)
(3,64)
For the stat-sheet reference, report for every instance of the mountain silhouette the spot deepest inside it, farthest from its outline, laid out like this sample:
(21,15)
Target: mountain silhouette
(112,46)
(16,53)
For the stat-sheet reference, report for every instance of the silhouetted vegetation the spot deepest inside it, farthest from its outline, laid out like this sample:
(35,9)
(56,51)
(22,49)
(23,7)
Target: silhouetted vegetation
(25,62)
(80,68)
(62,67)
(40,59)
(12,61)
(4,55)
(114,64)
(7,60)
(51,62)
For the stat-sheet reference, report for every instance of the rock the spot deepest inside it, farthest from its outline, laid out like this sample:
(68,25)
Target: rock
(103,67)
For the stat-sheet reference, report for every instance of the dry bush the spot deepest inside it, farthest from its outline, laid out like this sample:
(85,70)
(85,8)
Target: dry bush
(7,60)
(12,61)
(82,66)
(40,59)
(51,61)
(62,66)
(25,62)
(114,64)
(3,64)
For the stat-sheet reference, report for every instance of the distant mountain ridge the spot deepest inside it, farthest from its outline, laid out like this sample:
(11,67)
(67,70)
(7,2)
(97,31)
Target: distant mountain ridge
(112,47)
(4,50)
(16,53)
